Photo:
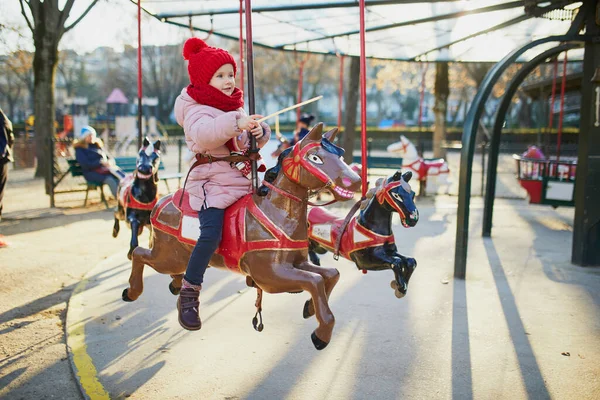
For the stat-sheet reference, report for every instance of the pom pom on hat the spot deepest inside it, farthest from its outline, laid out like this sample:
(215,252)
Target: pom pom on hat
(193,46)
(204,60)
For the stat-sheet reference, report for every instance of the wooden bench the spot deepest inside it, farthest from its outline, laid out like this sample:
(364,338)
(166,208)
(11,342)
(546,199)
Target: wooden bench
(75,171)
(128,164)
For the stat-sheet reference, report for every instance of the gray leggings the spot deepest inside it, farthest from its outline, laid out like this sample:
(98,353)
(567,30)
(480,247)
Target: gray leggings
(113,184)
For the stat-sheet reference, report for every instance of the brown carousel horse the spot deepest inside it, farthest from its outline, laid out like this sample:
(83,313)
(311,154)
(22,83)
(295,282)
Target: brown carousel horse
(265,236)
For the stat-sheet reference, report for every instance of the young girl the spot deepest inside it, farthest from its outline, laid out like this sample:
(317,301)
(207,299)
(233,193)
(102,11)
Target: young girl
(210,112)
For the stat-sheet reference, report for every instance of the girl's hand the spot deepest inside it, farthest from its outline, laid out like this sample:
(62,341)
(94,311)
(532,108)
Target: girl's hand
(249,122)
(257,132)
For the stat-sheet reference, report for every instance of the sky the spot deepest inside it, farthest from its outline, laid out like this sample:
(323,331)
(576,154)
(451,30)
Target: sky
(110,23)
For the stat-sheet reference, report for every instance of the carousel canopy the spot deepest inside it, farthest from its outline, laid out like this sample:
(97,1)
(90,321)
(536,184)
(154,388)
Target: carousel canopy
(426,30)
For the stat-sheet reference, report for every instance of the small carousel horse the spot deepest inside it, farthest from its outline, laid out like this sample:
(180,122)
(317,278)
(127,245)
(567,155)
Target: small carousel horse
(368,239)
(265,235)
(138,193)
(423,169)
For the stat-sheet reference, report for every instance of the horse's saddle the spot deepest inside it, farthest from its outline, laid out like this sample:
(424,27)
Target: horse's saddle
(324,228)
(181,201)
(234,242)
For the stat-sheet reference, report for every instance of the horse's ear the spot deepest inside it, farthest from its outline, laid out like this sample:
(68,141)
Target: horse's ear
(406,176)
(397,176)
(157,144)
(146,142)
(330,135)
(315,135)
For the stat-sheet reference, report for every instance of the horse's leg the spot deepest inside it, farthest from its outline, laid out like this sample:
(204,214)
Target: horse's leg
(175,285)
(331,277)
(115,231)
(139,258)
(135,225)
(403,268)
(286,278)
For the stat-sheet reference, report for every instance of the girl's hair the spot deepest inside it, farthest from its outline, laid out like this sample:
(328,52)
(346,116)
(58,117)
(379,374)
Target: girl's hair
(272,173)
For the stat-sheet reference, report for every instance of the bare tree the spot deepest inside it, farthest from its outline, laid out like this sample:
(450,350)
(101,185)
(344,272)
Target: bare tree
(442,90)
(47,23)
(164,76)
(17,75)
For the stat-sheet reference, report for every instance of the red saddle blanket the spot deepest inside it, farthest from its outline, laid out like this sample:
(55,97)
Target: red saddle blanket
(324,228)
(233,243)
(127,200)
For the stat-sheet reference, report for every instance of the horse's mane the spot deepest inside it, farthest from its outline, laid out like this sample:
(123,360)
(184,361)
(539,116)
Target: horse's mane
(272,173)
(379,185)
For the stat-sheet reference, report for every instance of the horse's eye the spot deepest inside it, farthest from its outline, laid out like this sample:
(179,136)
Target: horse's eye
(396,196)
(315,159)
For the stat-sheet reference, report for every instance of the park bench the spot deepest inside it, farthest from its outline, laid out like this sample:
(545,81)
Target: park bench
(75,171)
(127,164)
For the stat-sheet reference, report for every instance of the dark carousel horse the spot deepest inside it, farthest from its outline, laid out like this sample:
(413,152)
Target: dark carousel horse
(368,239)
(138,193)
(265,235)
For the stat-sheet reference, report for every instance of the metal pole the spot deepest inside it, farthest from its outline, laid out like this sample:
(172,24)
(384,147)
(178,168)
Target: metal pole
(340,92)
(139,80)
(562,108)
(179,151)
(363,98)
(51,172)
(241,45)
(250,69)
(468,140)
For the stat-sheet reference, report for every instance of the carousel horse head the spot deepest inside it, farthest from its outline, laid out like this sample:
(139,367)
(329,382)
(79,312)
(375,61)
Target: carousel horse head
(396,194)
(404,148)
(315,163)
(148,160)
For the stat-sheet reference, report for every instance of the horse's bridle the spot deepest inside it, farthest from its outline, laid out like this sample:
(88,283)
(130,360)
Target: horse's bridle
(291,169)
(384,195)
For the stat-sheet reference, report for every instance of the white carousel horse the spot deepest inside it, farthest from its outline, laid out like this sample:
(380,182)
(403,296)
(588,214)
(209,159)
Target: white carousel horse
(433,171)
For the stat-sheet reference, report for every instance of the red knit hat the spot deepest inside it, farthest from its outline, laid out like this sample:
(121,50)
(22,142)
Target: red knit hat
(204,60)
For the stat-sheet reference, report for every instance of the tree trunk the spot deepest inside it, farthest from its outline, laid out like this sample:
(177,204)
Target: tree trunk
(442,90)
(45,62)
(351,109)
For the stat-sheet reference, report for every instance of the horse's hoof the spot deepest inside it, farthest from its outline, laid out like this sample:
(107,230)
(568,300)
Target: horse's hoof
(399,294)
(319,344)
(115,233)
(125,297)
(174,290)
(130,254)
(306,311)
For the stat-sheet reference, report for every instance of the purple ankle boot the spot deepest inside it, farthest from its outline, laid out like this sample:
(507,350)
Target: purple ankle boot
(188,306)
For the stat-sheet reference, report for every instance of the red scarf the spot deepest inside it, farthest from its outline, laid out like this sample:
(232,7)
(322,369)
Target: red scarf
(211,96)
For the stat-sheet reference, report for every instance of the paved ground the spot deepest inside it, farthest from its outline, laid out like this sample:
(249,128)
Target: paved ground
(525,323)
(499,334)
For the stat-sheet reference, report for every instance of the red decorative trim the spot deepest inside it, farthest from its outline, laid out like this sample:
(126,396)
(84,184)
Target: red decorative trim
(132,202)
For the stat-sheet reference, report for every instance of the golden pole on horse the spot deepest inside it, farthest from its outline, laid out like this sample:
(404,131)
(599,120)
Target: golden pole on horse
(290,108)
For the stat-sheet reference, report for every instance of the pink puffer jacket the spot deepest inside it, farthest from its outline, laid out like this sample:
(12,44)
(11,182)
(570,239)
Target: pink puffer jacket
(207,129)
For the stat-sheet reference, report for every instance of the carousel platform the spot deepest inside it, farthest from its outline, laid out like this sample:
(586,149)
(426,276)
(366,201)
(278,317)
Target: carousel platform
(524,324)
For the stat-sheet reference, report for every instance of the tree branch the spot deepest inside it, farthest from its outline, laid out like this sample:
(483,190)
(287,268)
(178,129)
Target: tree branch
(69,5)
(25,15)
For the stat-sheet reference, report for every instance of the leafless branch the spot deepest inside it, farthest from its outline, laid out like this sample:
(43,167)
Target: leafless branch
(25,14)
(68,28)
